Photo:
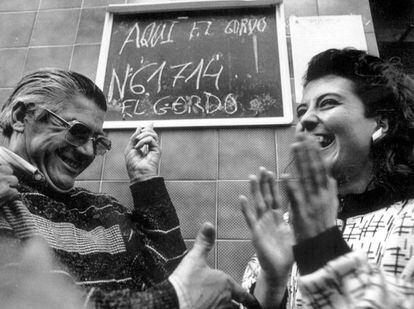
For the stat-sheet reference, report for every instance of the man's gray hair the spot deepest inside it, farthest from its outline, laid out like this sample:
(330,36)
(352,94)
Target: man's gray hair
(50,88)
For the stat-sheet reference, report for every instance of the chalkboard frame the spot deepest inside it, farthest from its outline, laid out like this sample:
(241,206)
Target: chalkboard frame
(159,6)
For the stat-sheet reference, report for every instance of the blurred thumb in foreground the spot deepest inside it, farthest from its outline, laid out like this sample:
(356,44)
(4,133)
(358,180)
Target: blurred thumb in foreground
(30,282)
(201,287)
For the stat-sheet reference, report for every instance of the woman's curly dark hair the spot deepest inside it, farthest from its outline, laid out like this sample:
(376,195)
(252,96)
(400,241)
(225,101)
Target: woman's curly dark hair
(385,91)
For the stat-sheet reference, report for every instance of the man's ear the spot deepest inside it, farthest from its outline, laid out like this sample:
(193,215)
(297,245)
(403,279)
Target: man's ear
(18,114)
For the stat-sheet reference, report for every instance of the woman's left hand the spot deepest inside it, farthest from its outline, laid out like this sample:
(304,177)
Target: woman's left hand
(272,237)
(313,197)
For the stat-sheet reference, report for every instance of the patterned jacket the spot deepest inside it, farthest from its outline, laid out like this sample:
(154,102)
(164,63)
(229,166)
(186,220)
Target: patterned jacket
(365,262)
(120,256)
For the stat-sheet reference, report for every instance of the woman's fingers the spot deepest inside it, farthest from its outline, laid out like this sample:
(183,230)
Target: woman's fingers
(302,166)
(265,187)
(310,166)
(257,195)
(295,195)
(274,191)
(316,164)
(247,212)
(264,191)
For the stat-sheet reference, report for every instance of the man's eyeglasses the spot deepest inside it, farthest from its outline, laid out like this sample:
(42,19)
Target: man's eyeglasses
(78,134)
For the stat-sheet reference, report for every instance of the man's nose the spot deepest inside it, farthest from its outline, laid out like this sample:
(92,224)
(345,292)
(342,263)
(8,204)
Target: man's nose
(88,148)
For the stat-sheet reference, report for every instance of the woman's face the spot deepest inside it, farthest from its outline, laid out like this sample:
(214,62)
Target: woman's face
(333,112)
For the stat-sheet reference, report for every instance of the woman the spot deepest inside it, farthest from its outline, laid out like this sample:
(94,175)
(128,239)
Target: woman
(356,123)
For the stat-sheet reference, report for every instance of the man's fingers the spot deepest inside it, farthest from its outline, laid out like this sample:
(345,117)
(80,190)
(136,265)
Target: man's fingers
(145,141)
(136,133)
(146,134)
(241,295)
(132,139)
(6,169)
(12,194)
(332,185)
(247,212)
(12,180)
(9,181)
(36,256)
(204,241)
(150,141)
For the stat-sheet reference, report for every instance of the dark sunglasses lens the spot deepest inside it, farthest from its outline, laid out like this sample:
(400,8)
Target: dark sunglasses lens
(78,134)
(102,145)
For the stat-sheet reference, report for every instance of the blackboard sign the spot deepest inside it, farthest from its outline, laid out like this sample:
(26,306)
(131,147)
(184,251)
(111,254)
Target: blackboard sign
(177,66)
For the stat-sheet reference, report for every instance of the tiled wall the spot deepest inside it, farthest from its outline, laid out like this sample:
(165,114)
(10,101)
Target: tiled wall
(205,169)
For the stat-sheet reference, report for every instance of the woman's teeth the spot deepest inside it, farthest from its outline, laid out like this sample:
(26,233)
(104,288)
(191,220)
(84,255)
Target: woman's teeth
(324,140)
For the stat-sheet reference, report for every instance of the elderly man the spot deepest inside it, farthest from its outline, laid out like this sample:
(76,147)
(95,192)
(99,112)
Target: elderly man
(52,129)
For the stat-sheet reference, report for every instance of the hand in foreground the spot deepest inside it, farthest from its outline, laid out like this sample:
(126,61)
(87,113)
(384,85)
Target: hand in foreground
(205,287)
(142,154)
(313,198)
(28,282)
(272,238)
(8,182)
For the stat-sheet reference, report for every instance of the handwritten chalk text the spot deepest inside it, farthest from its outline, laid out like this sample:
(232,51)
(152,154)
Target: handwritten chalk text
(135,80)
(206,104)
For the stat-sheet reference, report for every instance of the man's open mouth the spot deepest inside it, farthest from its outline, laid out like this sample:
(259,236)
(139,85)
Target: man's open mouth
(76,165)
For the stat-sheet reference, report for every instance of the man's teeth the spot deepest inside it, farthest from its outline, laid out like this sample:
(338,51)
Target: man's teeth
(73,164)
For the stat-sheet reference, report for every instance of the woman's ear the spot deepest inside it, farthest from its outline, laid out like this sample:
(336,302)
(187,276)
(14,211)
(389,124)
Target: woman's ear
(380,130)
(383,124)
(18,114)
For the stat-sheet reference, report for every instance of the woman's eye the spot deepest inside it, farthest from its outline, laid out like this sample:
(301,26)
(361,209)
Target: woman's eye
(328,103)
(300,111)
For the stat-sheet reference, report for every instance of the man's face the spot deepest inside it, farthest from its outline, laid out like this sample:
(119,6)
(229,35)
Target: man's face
(45,145)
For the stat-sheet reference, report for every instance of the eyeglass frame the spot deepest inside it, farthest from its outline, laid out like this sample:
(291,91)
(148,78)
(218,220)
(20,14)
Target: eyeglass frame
(68,125)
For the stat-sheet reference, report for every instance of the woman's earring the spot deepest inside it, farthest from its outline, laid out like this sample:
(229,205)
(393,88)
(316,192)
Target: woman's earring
(377,136)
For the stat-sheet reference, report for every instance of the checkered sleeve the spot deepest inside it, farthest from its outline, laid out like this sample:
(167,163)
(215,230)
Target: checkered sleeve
(352,281)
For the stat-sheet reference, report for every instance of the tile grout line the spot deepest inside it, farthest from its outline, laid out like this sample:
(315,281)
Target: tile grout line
(277,163)
(217,198)
(30,38)
(51,46)
(76,36)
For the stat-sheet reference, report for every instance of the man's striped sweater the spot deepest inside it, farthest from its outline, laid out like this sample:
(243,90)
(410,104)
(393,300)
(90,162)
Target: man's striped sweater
(112,252)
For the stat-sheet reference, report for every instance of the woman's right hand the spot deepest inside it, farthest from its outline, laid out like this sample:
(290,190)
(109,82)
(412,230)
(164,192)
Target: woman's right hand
(272,238)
